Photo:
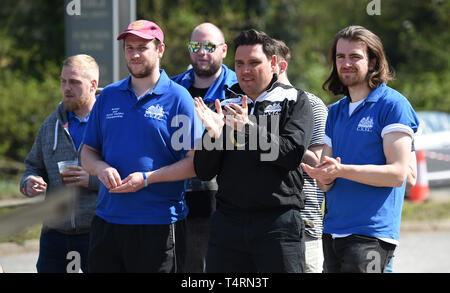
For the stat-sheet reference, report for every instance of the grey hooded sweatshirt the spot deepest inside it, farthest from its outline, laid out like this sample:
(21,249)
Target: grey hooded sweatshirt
(53,144)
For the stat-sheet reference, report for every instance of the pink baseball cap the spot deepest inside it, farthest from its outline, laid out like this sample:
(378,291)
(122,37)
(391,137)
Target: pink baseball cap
(144,29)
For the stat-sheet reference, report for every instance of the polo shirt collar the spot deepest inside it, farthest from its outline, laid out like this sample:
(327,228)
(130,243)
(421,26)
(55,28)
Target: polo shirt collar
(161,87)
(377,93)
(373,96)
(72,116)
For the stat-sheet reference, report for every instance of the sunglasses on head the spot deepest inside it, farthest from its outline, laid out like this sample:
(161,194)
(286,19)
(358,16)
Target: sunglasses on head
(209,47)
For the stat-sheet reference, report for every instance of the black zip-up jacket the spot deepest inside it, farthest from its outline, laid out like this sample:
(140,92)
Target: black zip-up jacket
(251,178)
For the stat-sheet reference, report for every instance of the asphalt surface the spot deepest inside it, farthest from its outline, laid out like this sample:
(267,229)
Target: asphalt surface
(423,252)
(419,252)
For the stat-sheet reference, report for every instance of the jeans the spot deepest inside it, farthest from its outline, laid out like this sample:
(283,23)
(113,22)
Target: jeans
(61,253)
(197,235)
(201,206)
(269,242)
(389,269)
(356,254)
(313,255)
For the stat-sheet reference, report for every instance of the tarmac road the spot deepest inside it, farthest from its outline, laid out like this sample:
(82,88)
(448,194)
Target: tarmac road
(419,252)
(423,252)
(19,258)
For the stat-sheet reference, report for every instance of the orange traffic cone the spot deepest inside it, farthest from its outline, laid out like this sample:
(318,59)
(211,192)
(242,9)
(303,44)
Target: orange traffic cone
(420,191)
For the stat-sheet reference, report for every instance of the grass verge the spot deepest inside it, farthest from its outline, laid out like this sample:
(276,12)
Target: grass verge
(10,189)
(427,211)
(32,232)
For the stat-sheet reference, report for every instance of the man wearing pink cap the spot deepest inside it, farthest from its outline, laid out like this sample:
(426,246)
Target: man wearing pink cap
(139,142)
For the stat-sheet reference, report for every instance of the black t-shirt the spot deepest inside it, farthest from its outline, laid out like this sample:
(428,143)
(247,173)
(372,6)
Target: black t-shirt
(200,198)
(196,92)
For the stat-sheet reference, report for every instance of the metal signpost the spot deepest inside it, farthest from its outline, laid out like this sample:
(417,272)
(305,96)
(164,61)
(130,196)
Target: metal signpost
(92,27)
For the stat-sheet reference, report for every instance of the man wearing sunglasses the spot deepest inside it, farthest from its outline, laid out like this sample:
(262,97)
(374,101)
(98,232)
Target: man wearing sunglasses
(209,78)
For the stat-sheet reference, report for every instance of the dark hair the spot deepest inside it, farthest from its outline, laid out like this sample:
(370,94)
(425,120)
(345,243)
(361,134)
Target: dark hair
(283,51)
(254,37)
(381,73)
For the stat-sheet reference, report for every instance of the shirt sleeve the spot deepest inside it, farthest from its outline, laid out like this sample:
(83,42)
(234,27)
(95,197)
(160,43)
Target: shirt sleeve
(399,116)
(320,113)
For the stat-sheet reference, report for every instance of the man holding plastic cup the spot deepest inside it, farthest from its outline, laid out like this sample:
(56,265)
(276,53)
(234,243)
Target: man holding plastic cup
(57,142)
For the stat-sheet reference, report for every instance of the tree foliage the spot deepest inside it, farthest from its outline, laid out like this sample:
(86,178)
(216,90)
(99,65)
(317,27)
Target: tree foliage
(414,32)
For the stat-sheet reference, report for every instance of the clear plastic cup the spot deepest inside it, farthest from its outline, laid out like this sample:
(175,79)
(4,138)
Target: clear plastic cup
(63,165)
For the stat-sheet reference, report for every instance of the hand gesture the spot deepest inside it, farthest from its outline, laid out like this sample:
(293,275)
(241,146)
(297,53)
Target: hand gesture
(237,116)
(110,177)
(132,183)
(213,121)
(326,172)
(35,186)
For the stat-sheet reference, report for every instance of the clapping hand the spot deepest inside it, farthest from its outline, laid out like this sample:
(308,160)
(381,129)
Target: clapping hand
(326,172)
(213,121)
(237,116)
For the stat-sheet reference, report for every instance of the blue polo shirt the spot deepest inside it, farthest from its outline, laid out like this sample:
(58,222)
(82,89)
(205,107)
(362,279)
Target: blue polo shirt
(355,208)
(226,79)
(142,135)
(76,128)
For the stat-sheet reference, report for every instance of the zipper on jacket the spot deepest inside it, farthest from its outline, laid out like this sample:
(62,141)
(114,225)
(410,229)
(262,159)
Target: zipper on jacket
(66,130)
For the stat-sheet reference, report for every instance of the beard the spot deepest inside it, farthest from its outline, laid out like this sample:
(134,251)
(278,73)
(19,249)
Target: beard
(74,104)
(142,73)
(206,71)
(355,79)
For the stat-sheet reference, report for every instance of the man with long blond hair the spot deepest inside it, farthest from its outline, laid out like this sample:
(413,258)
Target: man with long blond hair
(364,163)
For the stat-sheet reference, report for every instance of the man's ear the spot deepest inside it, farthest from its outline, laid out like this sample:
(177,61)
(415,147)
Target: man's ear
(161,49)
(274,64)
(224,51)
(94,85)
(282,65)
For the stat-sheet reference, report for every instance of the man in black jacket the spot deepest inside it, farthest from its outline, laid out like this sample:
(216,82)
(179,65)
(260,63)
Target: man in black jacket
(255,145)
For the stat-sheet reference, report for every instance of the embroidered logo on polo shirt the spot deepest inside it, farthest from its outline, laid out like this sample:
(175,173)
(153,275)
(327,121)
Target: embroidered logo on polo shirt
(273,109)
(366,124)
(155,112)
(115,113)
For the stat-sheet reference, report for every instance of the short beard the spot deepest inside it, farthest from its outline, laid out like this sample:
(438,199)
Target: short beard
(142,74)
(75,105)
(353,82)
(207,72)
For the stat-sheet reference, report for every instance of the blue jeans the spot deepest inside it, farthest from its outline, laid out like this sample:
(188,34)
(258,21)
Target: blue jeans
(269,242)
(390,267)
(356,254)
(55,249)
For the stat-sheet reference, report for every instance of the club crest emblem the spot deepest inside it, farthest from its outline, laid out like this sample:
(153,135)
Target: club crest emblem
(366,124)
(155,112)
(273,109)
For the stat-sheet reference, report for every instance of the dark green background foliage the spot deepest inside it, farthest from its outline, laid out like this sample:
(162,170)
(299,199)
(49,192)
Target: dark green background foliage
(415,34)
